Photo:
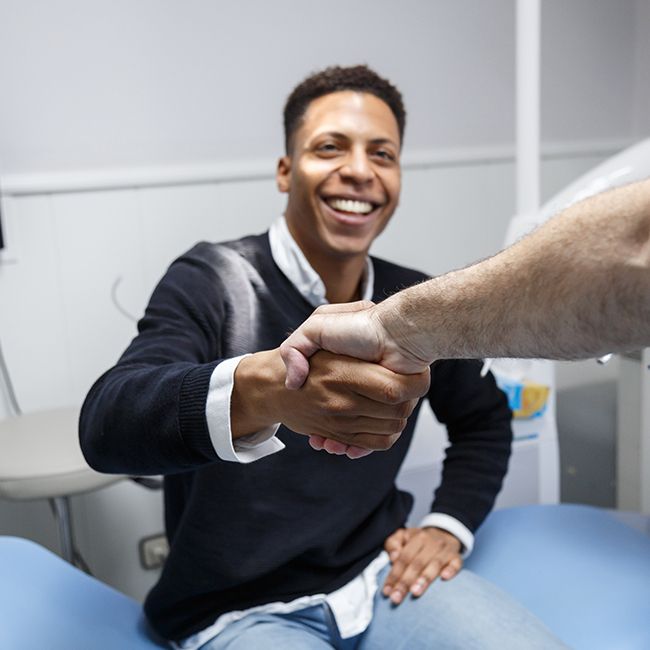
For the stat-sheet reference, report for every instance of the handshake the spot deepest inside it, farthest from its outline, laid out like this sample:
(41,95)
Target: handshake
(376,383)
(576,296)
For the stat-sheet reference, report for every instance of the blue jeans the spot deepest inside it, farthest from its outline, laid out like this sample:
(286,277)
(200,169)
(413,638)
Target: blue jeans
(466,613)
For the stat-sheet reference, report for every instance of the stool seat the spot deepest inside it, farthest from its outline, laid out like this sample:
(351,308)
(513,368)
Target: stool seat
(41,457)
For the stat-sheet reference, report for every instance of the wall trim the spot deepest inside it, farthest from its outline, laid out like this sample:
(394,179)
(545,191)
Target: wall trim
(30,184)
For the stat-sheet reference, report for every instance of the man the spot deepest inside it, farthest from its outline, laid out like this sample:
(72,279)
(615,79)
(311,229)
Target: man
(286,551)
(577,287)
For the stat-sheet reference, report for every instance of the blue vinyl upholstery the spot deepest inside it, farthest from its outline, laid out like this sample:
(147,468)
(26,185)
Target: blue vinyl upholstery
(46,603)
(585,574)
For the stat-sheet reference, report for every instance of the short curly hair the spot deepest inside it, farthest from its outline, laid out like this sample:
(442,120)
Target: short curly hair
(335,79)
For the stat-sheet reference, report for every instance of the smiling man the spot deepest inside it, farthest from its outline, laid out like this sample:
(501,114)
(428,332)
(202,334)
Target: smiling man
(273,544)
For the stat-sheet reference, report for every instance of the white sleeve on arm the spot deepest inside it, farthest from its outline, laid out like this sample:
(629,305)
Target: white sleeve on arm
(217,411)
(453,526)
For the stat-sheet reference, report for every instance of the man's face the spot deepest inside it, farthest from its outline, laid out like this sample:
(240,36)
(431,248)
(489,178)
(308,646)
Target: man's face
(343,175)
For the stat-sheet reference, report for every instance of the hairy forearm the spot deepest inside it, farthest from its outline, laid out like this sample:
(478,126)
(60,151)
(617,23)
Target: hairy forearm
(578,286)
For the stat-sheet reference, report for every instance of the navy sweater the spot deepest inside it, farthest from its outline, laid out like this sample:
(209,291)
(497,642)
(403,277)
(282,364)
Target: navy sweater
(293,523)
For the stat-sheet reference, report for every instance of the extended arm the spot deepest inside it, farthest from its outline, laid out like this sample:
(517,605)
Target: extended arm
(146,415)
(578,286)
(149,415)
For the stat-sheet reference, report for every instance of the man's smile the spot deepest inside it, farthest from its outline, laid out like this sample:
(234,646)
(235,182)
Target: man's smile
(352,211)
(350,205)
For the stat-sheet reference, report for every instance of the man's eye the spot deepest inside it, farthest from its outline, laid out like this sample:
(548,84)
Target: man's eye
(386,155)
(328,147)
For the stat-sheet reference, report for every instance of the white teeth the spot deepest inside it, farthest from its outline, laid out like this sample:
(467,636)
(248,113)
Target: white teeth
(347,205)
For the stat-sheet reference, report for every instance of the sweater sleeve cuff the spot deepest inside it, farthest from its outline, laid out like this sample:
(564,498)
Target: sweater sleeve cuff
(217,411)
(453,526)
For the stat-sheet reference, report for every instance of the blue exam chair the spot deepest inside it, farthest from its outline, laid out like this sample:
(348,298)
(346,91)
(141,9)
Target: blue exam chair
(586,575)
(48,604)
(582,572)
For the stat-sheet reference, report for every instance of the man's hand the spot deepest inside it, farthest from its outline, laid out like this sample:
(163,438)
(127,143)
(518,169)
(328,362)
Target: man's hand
(353,329)
(345,401)
(419,556)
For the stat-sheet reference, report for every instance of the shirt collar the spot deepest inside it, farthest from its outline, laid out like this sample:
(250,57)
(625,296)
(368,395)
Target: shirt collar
(293,263)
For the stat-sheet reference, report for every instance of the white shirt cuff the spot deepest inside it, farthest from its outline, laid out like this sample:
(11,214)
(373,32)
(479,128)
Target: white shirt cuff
(453,526)
(217,411)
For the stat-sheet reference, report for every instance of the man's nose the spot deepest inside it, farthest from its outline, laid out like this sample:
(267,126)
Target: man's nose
(357,167)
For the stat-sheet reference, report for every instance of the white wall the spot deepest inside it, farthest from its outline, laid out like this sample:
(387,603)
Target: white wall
(126,83)
(113,83)
(641,100)
(589,68)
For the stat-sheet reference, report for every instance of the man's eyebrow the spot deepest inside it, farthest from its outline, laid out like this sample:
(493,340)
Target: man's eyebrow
(333,134)
(343,136)
(384,141)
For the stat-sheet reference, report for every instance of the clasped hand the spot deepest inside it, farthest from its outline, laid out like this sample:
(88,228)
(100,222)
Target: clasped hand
(346,402)
(348,329)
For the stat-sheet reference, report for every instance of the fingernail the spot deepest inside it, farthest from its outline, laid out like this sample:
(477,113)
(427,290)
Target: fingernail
(396,596)
(416,588)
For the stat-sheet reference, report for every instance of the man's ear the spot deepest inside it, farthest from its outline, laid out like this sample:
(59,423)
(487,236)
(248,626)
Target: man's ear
(283,174)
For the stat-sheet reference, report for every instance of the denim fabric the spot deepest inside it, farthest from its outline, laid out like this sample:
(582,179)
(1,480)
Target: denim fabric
(466,613)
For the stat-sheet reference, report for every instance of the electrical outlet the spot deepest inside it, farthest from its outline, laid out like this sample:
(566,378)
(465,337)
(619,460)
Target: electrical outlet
(153,551)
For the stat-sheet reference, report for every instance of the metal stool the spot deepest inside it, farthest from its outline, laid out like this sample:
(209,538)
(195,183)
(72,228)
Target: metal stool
(41,459)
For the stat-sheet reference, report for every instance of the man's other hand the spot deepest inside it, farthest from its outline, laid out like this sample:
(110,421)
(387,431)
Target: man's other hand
(419,556)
